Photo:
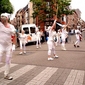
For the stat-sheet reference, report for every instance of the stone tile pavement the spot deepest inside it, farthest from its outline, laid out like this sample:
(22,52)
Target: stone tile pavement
(34,68)
(41,75)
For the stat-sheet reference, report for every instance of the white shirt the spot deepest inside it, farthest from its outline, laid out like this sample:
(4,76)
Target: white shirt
(5,34)
(77,32)
(64,33)
(22,37)
(38,34)
(52,34)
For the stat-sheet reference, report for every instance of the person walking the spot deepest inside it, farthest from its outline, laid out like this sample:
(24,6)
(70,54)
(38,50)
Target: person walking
(64,35)
(23,41)
(6,31)
(38,36)
(58,37)
(77,34)
(51,41)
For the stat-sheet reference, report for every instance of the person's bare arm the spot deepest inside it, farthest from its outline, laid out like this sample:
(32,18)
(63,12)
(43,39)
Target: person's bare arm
(53,26)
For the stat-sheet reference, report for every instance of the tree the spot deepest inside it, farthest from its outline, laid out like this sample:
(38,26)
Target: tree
(42,9)
(6,6)
(45,8)
(63,8)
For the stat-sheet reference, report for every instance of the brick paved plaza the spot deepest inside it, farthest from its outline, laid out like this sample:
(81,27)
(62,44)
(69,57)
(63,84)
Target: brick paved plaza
(33,68)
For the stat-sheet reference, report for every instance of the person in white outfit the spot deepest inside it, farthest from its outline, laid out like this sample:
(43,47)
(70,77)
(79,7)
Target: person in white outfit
(77,34)
(51,42)
(38,36)
(64,35)
(6,30)
(23,41)
(58,37)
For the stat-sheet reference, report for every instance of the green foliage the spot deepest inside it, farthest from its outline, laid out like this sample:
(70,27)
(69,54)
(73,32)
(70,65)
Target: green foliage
(63,7)
(6,6)
(44,11)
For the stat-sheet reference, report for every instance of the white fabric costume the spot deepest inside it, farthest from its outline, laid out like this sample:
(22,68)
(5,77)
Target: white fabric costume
(58,37)
(6,44)
(64,34)
(51,42)
(23,41)
(77,32)
(38,36)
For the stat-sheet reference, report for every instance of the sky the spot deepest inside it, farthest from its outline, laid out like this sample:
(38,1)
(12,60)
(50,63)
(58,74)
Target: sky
(80,4)
(18,4)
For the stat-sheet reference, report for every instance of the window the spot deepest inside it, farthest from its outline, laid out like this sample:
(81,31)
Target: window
(32,29)
(26,30)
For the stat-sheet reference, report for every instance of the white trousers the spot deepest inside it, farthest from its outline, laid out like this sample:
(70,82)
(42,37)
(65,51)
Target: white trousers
(51,47)
(7,49)
(77,40)
(22,45)
(38,42)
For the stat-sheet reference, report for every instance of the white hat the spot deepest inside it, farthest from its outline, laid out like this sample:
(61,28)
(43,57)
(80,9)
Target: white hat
(5,15)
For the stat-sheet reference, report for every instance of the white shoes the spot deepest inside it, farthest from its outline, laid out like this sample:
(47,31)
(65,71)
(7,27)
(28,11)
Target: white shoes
(24,52)
(20,53)
(37,47)
(63,48)
(50,59)
(8,77)
(55,56)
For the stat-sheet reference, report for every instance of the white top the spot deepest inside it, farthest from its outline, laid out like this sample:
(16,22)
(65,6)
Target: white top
(5,34)
(22,37)
(38,34)
(52,34)
(64,33)
(77,32)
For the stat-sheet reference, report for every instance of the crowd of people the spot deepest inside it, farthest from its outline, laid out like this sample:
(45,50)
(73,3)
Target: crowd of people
(8,31)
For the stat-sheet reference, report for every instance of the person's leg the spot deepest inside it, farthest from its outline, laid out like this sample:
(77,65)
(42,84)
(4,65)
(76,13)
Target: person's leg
(49,50)
(0,56)
(21,47)
(78,42)
(7,65)
(1,52)
(63,44)
(54,53)
(75,44)
(39,42)
(24,44)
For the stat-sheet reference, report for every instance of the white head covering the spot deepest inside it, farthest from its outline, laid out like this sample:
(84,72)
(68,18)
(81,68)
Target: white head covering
(5,15)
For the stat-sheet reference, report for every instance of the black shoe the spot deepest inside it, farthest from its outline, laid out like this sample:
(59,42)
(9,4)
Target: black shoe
(74,45)
(78,46)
